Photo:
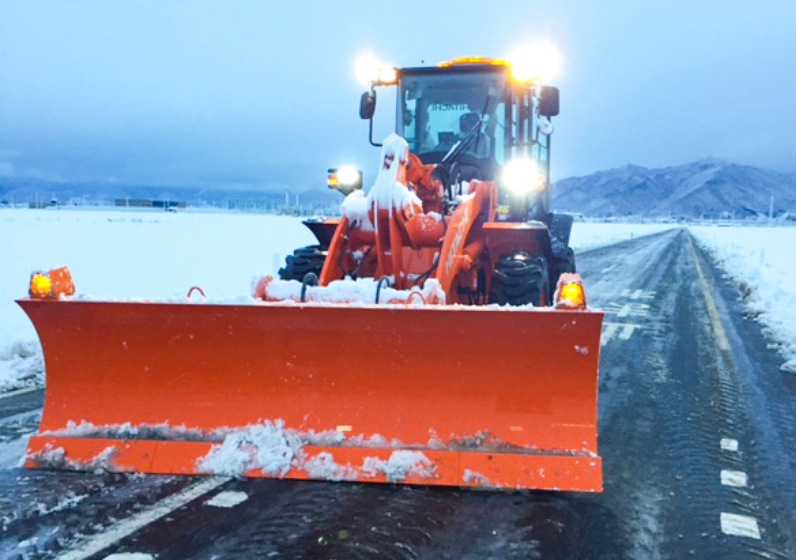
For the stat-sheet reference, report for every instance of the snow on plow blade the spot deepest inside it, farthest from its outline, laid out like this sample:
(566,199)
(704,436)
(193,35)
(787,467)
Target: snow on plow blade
(458,396)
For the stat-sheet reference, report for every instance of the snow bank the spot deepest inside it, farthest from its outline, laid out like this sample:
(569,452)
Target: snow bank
(760,261)
(21,364)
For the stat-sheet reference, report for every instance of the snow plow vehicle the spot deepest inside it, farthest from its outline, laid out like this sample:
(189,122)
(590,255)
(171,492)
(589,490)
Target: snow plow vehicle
(437,334)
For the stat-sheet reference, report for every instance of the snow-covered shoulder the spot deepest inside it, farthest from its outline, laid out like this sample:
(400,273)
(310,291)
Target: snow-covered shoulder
(761,261)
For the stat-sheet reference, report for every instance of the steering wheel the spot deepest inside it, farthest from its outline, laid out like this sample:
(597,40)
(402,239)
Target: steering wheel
(458,148)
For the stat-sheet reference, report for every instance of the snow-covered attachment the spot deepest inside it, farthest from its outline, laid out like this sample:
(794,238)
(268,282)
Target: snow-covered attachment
(427,351)
(438,395)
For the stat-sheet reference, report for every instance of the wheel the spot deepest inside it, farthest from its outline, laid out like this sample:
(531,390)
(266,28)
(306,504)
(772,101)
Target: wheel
(567,264)
(519,279)
(302,262)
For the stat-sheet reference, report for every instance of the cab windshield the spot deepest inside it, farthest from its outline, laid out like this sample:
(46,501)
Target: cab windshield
(436,110)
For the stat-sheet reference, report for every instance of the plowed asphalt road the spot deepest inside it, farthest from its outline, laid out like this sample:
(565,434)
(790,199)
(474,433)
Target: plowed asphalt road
(697,434)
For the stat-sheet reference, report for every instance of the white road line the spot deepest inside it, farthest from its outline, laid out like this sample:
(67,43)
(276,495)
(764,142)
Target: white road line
(608,333)
(628,309)
(627,330)
(739,526)
(128,526)
(10,394)
(636,294)
(610,329)
(129,556)
(626,291)
(733,478)
(728,444)
(718,327)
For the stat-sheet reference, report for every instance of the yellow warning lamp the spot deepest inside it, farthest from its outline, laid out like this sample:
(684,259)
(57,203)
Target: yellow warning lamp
(472,60)
(569,292)
(51,284)
(40,286)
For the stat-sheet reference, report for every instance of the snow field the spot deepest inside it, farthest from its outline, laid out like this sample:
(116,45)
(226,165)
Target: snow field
(122,254)
(117,254)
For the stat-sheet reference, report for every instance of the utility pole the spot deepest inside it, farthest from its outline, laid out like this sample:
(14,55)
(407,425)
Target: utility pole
(771,210)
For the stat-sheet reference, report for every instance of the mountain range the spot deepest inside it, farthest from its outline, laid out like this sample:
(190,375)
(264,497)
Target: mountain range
(708,188)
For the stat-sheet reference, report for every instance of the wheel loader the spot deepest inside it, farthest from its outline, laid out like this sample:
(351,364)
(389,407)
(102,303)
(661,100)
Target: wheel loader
(437,334)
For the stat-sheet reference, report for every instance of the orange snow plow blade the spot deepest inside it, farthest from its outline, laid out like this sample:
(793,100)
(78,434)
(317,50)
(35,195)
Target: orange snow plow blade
(435,395)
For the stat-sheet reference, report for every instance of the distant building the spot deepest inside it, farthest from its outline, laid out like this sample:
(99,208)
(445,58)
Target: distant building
(43,204)
(145,203)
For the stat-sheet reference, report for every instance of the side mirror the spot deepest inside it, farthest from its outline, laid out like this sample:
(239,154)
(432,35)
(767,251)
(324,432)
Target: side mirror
(367,105)
(548,102)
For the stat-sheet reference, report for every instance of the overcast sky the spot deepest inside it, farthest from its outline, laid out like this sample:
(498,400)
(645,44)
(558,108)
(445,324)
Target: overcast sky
(255,93)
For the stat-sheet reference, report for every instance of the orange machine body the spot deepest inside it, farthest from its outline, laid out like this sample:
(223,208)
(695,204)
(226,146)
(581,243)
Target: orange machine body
(420,389)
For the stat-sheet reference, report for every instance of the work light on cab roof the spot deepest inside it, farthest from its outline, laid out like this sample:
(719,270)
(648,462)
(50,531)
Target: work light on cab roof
(370,71)
(540,61)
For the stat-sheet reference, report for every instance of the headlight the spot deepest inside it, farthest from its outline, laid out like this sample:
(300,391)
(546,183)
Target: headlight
(348,175)
(345,179)
(522,176)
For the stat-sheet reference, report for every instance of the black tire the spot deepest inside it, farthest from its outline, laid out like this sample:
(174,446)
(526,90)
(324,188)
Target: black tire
(520,279)
(567,264)
(302,262)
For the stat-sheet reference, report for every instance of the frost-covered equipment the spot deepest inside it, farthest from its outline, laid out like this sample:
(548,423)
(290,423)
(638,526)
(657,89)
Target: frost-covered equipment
(426,346)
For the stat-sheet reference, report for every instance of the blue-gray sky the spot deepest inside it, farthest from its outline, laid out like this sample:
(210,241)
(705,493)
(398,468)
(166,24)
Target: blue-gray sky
(255,93)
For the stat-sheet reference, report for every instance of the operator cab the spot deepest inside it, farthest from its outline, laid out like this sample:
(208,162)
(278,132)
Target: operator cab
(438,107)
(473,117)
